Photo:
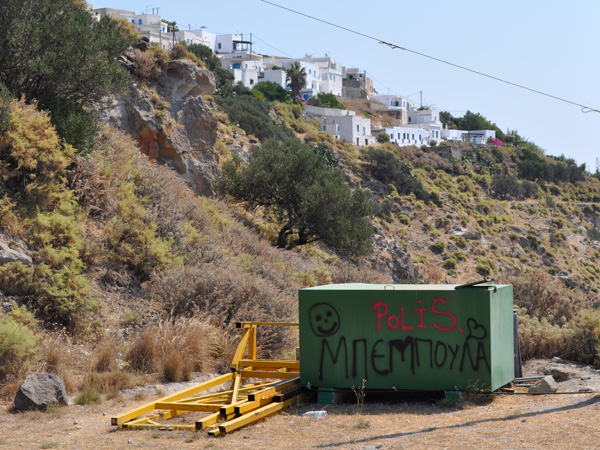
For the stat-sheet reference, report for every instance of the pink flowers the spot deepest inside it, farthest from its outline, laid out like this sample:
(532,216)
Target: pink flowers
(497,142)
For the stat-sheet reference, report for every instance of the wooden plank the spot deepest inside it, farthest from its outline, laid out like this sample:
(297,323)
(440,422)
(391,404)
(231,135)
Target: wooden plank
(266,374)
(254,416)
(275,363)
(272,389)
(117,420)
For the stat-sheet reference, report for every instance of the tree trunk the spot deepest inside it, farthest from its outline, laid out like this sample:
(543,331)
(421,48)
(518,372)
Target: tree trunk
(282,238)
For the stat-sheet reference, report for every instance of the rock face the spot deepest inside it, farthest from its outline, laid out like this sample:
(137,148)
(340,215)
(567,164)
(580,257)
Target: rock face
(394,259)
(40,390)
(13,250)
(172,122)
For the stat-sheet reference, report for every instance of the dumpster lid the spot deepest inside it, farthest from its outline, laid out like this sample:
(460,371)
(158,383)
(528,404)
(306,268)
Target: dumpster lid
(394,287)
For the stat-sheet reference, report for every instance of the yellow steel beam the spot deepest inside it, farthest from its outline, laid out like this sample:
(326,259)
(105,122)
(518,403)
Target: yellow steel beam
(282,324)
(239,353)
(189,406)
(210,420)
(118,420)
(214,431)
(236,388)
(266,374)
(230,409)
(272,390)
(252,343)
(251,406)
(275,363)
(254,416)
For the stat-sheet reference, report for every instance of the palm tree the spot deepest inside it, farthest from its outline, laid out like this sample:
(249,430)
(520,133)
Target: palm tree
(296,76)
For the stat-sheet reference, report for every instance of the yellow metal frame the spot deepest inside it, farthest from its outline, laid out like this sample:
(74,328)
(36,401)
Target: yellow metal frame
(240,405)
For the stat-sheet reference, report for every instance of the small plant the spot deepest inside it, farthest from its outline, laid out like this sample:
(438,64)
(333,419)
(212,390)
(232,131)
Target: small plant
(362,424)
(360,396)
(404,219)
(49,445)
(88,395)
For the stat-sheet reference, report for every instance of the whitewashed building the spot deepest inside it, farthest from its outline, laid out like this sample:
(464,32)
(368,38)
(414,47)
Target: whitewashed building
(407,135)
(275,72)
(149,26)
(343,124)
(476,137)
(330,74)
(393,101)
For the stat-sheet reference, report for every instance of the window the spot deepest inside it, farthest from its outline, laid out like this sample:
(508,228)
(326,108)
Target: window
(358,128)
(357,141)
(309,72)
(251,81)
(133,21)
(364,131)
(219,46)
(235,66)
(324,128)
(139,21)
(245,66)
(413,137)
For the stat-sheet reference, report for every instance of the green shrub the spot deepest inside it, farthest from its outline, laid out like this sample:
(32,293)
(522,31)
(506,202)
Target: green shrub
(252,115)
(404,219)
(438,247)
(485,266)
(18,344)
(383,137)
(88,396)
(460,241)
(449,263)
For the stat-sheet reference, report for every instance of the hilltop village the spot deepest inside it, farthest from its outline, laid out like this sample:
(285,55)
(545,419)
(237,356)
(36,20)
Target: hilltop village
(409,124)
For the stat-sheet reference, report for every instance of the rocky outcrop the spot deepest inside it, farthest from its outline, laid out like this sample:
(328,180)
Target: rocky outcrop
(13,250)
(40,390)
(173,122)
(393,258)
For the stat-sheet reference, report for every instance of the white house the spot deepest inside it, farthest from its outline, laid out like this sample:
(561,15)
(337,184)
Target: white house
(343,124)
(148,25)
(330,74)
(246,68)
(393,101)
(275,72)
(476,137)
(408,135)
(190,37)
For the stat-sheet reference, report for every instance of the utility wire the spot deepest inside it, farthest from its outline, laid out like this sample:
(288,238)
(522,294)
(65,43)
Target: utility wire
(266,43)
(584,108)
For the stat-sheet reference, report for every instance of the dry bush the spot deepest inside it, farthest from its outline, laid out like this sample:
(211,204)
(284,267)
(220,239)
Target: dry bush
(142,354)
(104,356)
(544,296)
(176,348)
(539,338)
(108,382)
(431,274)
(145,64)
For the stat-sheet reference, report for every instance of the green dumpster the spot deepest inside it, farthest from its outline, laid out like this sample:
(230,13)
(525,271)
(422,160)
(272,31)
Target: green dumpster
(423,337)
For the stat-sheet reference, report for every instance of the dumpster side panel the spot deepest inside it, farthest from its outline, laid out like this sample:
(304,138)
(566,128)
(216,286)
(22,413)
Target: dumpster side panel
(502,337)
(397,338)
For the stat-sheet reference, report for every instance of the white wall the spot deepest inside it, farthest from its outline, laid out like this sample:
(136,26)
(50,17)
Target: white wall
(403,136)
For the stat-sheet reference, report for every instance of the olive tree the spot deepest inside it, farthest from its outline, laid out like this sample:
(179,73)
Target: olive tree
(309,196)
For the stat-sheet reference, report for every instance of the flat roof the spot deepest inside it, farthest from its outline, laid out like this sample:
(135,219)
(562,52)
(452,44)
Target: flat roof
(394,287)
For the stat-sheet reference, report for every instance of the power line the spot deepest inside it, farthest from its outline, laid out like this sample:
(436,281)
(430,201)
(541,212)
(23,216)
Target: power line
(584,108)
(266,43)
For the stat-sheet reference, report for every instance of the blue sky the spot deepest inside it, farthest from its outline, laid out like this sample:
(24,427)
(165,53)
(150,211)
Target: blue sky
(550,46)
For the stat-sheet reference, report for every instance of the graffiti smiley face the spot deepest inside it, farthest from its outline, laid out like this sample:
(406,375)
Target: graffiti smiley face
(324,319)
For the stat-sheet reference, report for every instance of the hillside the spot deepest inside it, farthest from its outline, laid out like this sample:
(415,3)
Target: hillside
(130,259)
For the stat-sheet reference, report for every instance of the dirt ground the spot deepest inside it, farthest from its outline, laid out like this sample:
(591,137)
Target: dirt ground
(510,421)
